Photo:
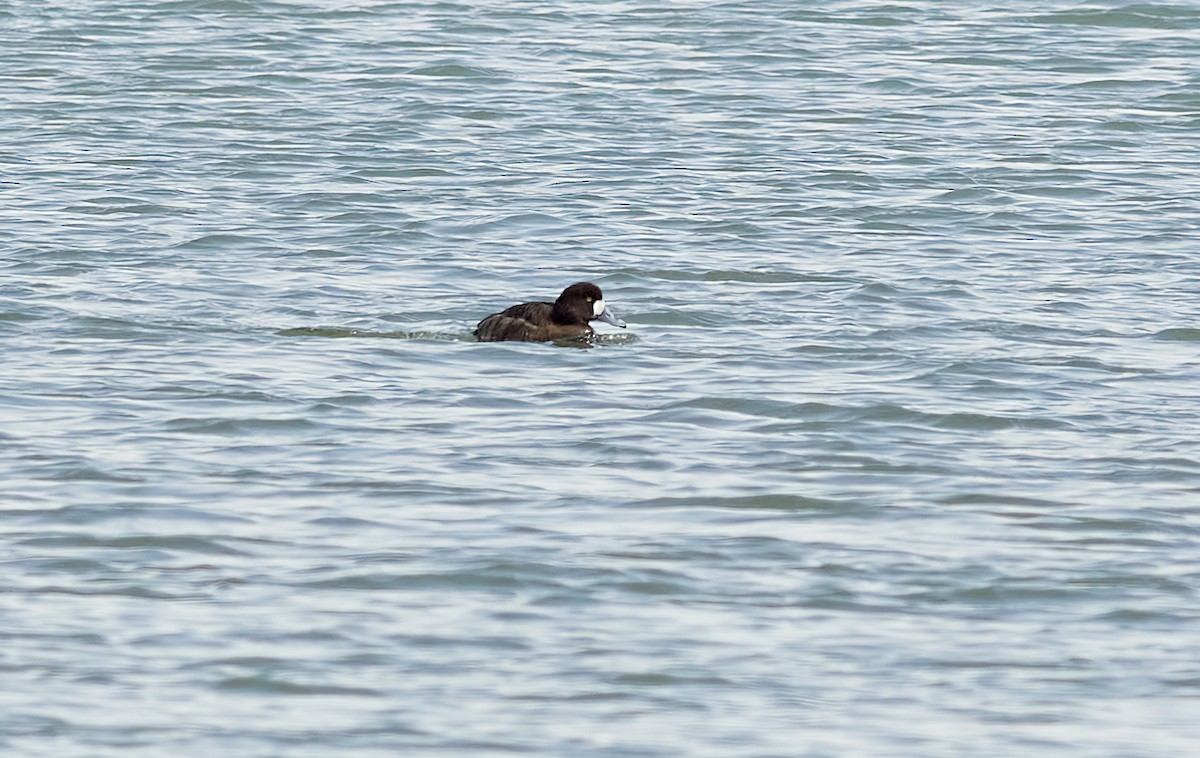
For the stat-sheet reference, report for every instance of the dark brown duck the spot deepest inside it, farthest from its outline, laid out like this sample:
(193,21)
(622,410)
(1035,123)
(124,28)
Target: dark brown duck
(565,318)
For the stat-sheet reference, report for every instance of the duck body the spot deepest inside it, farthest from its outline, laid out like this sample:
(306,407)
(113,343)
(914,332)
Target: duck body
(565,319)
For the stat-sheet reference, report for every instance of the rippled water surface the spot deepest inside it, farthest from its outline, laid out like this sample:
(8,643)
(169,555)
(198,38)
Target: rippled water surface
(898,455)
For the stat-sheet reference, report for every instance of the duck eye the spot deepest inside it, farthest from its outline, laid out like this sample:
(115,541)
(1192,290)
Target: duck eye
(590,299)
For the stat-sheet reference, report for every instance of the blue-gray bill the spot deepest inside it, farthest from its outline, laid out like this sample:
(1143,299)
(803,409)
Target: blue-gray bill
(608,317)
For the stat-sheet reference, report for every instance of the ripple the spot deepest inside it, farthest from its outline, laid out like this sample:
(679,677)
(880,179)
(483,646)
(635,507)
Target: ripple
(453,70)
(240,426)
(790,503)
(272,686)
(165,543)
(1131,17)
(1178,334)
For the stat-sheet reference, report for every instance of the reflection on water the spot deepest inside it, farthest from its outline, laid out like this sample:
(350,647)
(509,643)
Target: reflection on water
(624,338)
(336,332)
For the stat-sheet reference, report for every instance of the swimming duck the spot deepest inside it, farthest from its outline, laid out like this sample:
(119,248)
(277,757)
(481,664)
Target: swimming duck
(565,318)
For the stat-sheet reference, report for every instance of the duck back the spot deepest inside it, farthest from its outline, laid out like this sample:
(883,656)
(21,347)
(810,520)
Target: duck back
(528,322)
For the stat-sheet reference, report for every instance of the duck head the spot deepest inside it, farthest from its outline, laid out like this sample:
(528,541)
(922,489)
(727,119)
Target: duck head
(581,303)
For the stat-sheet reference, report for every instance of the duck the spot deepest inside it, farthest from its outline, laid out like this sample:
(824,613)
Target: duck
(565,319)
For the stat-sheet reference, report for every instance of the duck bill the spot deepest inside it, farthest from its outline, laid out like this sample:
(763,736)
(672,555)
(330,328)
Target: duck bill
(608,317)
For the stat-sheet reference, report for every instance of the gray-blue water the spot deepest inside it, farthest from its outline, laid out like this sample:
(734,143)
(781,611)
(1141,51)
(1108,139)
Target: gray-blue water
(898,456)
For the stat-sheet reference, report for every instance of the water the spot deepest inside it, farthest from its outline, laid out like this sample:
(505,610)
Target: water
(897,457)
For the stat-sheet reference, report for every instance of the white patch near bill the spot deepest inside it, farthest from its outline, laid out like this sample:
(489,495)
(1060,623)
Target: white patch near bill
(598,308)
